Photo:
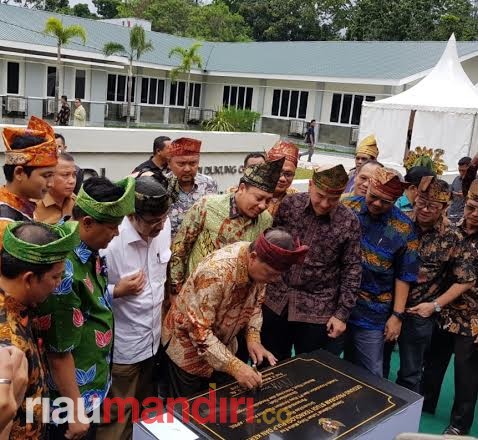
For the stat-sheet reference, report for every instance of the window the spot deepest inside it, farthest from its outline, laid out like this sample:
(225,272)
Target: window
(13,78)
(347,108)
(50,81)
(289,103)
(117,89)
(177,94)
(80,83)
(237,96)
(152,91)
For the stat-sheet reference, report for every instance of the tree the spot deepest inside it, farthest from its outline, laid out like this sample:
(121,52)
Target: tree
(137,47)
(189,58)
(82,10)
(54,5)
(107,8)
(63,34)
(215,22)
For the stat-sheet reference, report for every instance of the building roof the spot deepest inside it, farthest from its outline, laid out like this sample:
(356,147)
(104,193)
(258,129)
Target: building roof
(386,62)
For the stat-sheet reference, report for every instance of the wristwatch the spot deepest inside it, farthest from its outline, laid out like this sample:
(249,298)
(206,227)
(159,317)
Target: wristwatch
(399,315)
(437,307)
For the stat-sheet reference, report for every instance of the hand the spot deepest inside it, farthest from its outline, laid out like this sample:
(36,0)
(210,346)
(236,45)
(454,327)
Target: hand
(392,329)
(130,285)
(248,378)
(20,373)
(425,310)
(257,352)
(335,327)
(77,430)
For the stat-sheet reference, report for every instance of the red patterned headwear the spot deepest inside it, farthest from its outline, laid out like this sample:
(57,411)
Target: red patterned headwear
(284,149)
(185,147)
(41,155)
(386,181)
(278,258)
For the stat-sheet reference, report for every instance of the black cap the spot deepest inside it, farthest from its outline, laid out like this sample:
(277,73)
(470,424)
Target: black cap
(414,175)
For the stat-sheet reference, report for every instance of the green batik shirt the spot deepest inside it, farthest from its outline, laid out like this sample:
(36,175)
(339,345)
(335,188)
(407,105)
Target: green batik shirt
(78,318)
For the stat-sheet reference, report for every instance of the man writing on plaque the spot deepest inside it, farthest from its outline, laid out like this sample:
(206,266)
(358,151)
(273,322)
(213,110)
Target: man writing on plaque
(309,306)
(222,296)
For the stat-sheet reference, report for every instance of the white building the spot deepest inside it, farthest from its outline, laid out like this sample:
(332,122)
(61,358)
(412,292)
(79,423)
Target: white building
(288,83)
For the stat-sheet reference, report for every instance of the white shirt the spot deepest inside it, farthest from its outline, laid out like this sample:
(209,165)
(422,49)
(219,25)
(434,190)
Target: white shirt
(138,317)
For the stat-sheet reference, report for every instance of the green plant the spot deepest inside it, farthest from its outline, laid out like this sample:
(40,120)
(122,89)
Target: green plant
(233,119)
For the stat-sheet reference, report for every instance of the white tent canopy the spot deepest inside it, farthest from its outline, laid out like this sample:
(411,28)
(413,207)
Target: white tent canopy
(440,111)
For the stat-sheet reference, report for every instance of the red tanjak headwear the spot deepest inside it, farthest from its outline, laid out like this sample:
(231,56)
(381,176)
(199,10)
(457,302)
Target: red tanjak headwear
(278,258)
(284,149)
(387,182)
(185,147)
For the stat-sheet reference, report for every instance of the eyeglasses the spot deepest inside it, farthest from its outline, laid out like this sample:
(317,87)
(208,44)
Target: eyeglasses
(431,206)
(471,208)
(152,223)
(383,202)
(289,175)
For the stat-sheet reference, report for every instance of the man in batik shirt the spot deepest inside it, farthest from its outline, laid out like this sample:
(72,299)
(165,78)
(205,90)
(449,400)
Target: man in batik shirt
(309,307)
(389,265)
(78,319)
(30,160)
(186,185)
(458,332)
(216,221)
(290,153)
(32,261)
(223,296)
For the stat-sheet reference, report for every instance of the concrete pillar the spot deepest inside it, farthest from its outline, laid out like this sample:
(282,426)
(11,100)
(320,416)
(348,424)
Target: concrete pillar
(167,91)
(260,103)
(35,85)
(98,86)
(319,97)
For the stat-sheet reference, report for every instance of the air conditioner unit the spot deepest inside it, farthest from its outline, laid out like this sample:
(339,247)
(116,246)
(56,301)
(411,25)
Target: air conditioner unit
(124,110)
(51,106)
(354,133)
(16,104)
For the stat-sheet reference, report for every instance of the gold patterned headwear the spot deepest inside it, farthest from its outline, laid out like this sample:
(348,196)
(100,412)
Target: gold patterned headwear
(368,146)
(386,181)
(284,149)
(332,180)
(473,191)
(430,188)
(41,155)
(264,175)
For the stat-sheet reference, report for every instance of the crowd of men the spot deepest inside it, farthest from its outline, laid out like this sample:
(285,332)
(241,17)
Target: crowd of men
(157,284)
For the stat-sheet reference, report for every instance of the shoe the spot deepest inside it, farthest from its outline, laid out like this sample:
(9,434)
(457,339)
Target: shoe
(452,430)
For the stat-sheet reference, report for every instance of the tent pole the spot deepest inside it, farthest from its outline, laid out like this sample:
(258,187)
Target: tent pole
(471,137)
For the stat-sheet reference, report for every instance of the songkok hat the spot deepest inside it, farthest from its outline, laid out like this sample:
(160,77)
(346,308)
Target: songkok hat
(157,203)
(434,189)
(185,147)
(109,212)
(41,155)
(368,146)
(332,180)
(414,175)
(473,191)
(53,252)
(278,258)
(386,181)
(284,149)
(264,175)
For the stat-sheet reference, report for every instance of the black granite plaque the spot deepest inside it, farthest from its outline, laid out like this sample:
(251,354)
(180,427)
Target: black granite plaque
(316,396)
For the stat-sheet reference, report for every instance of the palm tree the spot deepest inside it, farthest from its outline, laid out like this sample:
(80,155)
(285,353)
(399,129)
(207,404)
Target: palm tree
(137,47)
(189,59)
(63,34)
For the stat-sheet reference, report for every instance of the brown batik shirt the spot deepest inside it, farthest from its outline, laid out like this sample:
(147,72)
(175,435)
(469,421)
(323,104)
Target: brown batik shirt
(461,315)
(327,283)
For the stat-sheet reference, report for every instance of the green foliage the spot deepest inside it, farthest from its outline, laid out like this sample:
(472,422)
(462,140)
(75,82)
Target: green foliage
(64,34)
(233,119)
(189,58)
(137,45)
(55,5)
(107,8)
(82,10)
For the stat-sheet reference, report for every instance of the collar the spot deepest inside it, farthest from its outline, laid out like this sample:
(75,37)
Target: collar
(234,210)
(83,252)
(49,201)
(129,233)
(25,206)
(242,271)
(14,306)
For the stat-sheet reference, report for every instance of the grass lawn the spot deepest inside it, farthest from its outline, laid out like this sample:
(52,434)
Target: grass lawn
(302,173)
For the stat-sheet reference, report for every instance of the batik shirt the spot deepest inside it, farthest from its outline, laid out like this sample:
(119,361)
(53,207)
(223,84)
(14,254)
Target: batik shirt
(216,302)
(435,251)
(326,284)
(182,201)
(389,252)
(275,202)
(211,224)
(12,209)
(16,330)
(461,315)
(78,319)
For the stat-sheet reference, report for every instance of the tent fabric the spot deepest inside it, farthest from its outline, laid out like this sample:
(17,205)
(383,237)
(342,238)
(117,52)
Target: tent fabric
(446,105)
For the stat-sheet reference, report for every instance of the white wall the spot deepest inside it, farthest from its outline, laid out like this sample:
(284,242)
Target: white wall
(120,150)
